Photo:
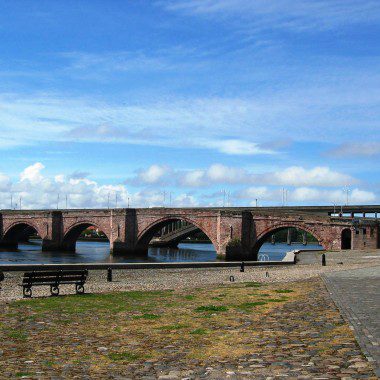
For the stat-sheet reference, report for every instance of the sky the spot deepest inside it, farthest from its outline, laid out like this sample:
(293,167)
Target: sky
(189,103)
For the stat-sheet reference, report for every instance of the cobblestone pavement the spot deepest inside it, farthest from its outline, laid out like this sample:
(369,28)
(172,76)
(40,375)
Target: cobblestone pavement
(357,295)
(251,331)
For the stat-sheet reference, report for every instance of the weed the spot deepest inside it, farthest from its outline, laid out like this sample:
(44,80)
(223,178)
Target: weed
(211,308)
(176,326)
(250,305)
(284,291)
(22,374)
(252,284)
(198,332)
(18,334)
(124,356)
(146,316)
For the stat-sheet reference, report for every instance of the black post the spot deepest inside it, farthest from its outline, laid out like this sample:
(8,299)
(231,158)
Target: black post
(109,275)
(323,260)
(242,267)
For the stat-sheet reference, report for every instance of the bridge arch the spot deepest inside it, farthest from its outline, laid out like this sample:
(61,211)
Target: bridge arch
(146,235)
(19,231)
(265,235)
(74,231)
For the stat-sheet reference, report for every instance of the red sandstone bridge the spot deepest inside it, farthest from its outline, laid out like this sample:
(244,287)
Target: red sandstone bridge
(236,233)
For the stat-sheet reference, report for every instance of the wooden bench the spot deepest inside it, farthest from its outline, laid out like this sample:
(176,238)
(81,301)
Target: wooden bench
(53,279)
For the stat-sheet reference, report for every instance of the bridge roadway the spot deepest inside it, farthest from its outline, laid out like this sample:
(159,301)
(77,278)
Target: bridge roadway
(235,232)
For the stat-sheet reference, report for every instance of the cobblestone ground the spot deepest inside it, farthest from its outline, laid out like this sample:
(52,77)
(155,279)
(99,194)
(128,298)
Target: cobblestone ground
(239,331)
(357,294)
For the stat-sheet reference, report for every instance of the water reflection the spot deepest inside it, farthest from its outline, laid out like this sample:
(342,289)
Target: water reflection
(98,252)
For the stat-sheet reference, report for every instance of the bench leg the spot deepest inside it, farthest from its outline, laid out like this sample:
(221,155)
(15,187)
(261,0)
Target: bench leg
(79,288)
(54,290)
(27,291)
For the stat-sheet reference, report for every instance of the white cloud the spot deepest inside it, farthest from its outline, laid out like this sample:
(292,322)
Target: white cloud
(318,176)
(237,147)
(38,191)
(305,195)
(193,178)
(153,174)
(32,173)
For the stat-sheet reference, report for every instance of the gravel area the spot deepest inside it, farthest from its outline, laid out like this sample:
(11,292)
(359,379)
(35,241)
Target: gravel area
(154,279)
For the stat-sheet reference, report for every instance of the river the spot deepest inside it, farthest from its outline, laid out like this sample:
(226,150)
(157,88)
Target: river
(98,252)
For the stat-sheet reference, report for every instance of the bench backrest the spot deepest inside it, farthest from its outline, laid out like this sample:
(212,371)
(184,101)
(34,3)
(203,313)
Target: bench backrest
(50,277)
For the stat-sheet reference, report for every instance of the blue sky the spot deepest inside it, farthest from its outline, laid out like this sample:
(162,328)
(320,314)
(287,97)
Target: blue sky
(191,98)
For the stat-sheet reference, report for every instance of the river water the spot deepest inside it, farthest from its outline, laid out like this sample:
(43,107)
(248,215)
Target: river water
(98,252)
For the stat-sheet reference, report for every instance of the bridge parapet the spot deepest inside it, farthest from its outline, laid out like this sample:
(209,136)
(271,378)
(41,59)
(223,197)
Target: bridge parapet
(237,233)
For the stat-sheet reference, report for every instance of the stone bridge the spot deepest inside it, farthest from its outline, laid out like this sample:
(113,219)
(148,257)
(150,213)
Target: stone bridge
(236,233)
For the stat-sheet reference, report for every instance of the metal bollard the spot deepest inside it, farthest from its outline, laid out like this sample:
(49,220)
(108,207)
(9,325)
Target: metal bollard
(109,275)
(242,266)
(232,279)
(323,260)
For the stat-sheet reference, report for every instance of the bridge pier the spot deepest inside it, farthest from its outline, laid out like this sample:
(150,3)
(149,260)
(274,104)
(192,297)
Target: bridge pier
(119,248)
(289,238)
(304,238)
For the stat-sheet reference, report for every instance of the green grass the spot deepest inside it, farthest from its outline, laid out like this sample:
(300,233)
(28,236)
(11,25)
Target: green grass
(284,291)
(211,308)
(124,356)
(146,316)
(48,363)
(176,326)
(198,332)
(277,299)
(21,374)
(247,306)
(18,334)
(252,284)
(103,303)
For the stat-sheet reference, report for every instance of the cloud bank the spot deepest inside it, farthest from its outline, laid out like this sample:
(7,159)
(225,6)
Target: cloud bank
(318,185)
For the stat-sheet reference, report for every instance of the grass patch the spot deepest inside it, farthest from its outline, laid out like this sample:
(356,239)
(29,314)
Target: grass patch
(176,326)
(124,356)
(198,332)
(146,316)
(48,363)
(247,306)
(252,284)
(211,308)
(189,297)
(217,298)
(22,374)
(284,291)
(18,334)
(106,303)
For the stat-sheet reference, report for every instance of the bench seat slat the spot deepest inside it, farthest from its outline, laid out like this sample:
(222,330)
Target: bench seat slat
(54,273)
(53,283)
(53,279)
